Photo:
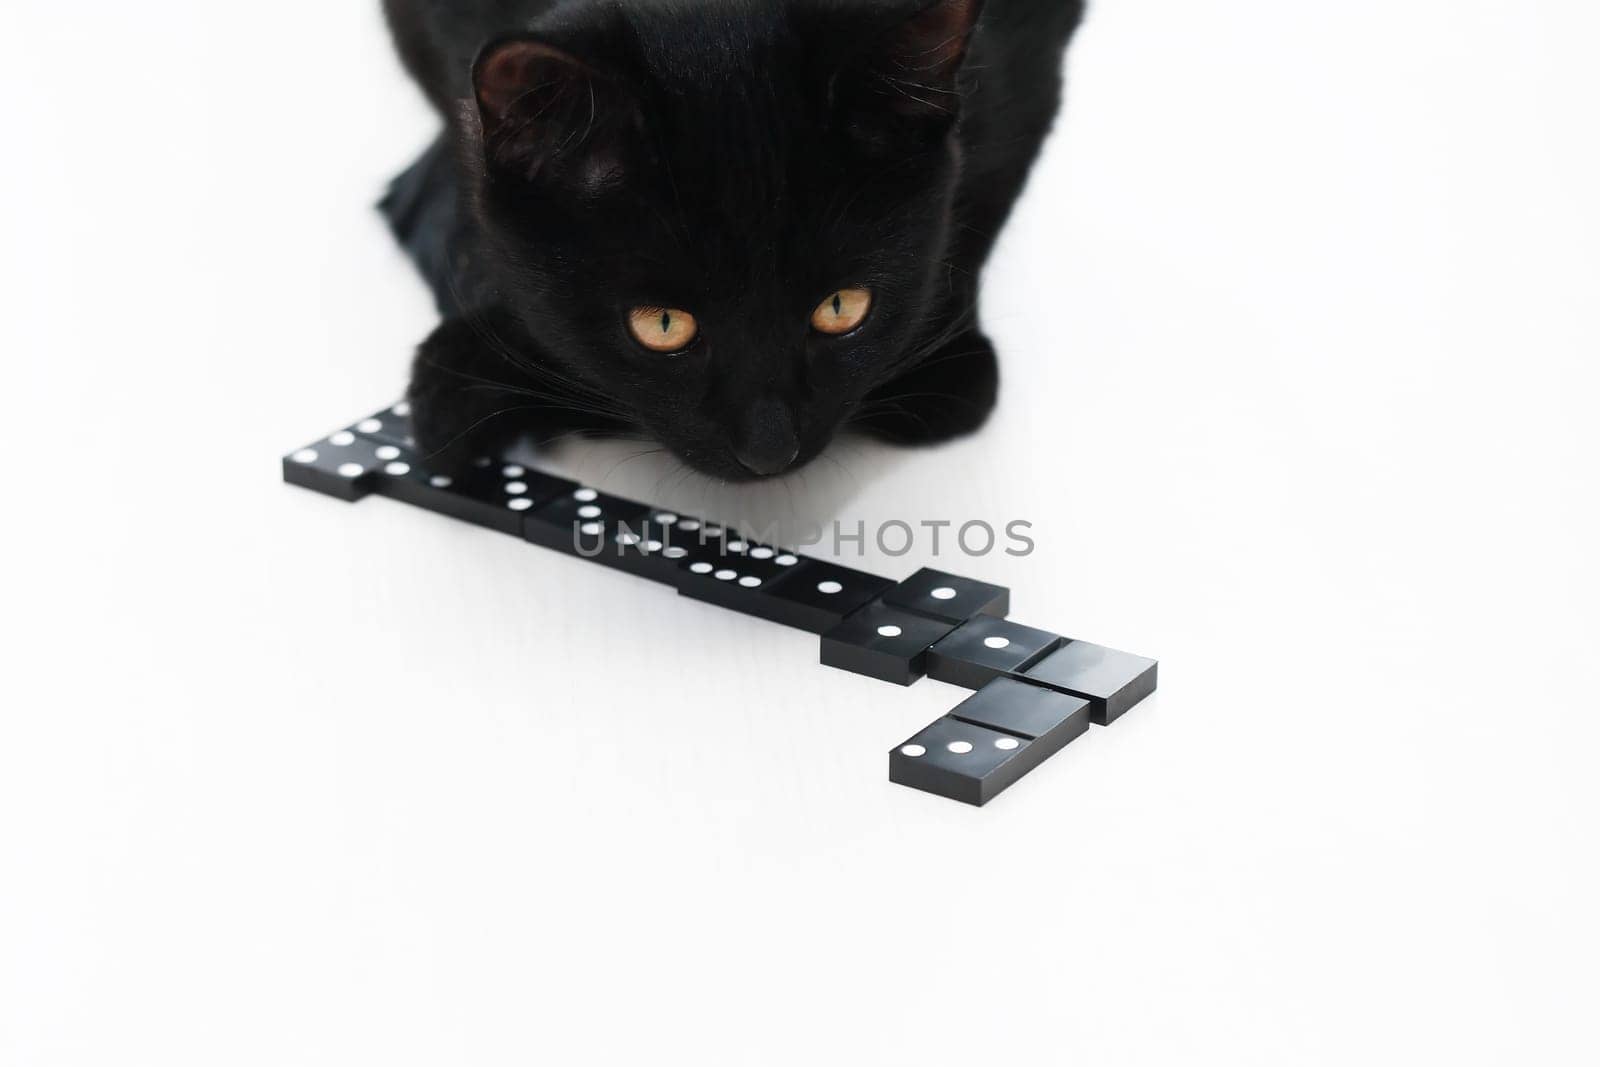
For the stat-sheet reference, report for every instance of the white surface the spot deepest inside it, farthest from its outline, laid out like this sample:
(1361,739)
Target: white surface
(1299,320)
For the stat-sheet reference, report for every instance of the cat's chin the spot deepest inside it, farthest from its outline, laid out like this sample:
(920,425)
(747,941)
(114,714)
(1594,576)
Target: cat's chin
(734,472)
(724,466)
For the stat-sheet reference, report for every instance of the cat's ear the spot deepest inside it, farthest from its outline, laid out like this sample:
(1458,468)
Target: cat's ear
(920,58)
(905,70)
(545,116)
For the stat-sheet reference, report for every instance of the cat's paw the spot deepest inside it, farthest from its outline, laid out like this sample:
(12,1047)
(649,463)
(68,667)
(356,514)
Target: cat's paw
(457,411)
(949,394)
(478,385)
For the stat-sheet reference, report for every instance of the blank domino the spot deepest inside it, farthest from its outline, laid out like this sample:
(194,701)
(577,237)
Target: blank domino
(1113,681)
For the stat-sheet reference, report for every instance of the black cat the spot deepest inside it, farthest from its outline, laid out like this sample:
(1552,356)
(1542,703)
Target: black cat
(733,226)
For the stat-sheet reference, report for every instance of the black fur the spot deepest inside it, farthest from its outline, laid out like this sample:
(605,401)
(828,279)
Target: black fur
(740,159)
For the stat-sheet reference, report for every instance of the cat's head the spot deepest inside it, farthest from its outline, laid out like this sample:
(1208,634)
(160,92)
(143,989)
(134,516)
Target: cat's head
(728,220)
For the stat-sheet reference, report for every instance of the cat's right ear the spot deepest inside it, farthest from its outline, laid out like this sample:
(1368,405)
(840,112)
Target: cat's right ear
(545,116)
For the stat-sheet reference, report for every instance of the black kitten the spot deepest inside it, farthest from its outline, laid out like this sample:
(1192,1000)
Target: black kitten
(732,225)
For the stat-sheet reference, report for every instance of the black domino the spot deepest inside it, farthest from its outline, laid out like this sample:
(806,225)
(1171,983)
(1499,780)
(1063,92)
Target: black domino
(817,596)
(1112,681)
(486,493)
(883,642)
(608,530)
(988,742)
(341,465)
(1025,710)
(391,426)
(985,647)
(732,573)
(633,544)
(949,596)
(791,590)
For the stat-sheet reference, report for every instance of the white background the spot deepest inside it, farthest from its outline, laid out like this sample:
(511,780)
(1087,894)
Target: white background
(1299,326)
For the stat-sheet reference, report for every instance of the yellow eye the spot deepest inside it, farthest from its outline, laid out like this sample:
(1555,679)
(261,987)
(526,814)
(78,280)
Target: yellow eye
(662,329)
(842,311)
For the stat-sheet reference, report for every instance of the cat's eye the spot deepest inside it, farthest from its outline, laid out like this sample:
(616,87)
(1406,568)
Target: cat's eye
(663,329)
(842,312)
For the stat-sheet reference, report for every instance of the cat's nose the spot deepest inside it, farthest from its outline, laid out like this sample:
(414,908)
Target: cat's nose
(766,443)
